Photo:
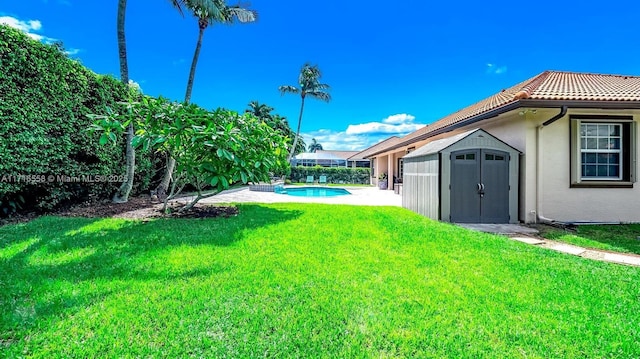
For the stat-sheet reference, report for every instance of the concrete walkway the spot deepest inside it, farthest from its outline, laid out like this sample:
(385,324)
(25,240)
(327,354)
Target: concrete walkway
(360,196)
(529,236)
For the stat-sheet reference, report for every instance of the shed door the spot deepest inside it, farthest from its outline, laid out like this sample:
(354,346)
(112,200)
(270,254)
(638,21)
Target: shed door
(480,186)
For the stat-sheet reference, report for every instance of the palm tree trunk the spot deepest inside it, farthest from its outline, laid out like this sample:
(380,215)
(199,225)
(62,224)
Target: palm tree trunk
(122,42)
(171,164)
(194,64)
(122,195)
(295,141)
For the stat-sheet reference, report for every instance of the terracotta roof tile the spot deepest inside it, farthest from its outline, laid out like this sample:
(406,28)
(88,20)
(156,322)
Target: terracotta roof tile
(549,85)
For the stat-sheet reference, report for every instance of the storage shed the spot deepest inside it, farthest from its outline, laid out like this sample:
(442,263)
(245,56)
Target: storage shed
(471,177)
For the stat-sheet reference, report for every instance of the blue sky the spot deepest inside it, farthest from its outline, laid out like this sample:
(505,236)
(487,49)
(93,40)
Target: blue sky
(393,66)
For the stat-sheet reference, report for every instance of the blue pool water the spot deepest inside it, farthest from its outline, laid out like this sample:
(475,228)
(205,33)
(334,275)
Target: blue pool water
(314,191)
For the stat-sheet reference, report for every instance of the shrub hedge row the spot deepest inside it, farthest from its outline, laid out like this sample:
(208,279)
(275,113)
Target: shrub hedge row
(44,101)
(334,174)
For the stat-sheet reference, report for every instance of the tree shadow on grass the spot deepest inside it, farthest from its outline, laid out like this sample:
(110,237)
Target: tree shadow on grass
(86,257)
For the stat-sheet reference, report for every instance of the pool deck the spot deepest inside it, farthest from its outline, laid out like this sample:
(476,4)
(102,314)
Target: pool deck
(360,196)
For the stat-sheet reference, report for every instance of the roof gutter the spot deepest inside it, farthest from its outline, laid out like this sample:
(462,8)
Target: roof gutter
(605,105)
(563,111)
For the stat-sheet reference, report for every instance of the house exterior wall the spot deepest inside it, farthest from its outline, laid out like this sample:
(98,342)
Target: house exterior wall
(381,165)
(511,128)
(546,159)
(557,199)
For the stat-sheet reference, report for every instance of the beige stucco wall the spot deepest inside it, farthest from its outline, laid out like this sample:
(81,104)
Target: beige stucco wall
(561,202)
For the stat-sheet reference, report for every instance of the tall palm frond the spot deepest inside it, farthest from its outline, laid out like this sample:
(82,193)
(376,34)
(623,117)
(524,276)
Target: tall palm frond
(309,84)
(288,89)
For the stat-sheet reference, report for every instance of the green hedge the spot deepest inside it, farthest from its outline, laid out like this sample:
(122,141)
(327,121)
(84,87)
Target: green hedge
(334,174)
(44,101)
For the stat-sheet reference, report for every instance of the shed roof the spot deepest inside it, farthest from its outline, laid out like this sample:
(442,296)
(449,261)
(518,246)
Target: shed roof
(444,143)
(439,145)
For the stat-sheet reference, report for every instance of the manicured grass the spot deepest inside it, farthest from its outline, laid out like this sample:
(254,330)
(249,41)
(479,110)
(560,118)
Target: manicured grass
(618,238)
(304,280)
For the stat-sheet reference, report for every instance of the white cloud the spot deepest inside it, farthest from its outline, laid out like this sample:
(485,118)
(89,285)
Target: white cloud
(72,52)
(27,27)
(135,86)
(400,124)
(399,119)
(361,136)
(338,140)
(495,69)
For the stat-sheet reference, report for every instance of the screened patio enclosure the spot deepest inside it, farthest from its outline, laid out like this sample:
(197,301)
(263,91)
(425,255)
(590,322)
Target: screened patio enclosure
(318,159)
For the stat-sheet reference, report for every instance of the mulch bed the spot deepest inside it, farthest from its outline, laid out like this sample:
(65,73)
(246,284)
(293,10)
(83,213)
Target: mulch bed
(142,207)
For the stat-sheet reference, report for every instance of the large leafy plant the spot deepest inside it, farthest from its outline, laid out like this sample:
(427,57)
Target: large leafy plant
(213,149)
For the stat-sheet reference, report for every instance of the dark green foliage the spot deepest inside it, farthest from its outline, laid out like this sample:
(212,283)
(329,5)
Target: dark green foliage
(334,174)
(44,100)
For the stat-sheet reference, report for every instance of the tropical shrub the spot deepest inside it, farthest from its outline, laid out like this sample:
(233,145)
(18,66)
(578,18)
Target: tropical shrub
(46,156)
(334,174)
(213,150)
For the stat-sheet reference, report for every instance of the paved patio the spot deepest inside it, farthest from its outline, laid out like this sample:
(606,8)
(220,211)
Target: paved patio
(360,196)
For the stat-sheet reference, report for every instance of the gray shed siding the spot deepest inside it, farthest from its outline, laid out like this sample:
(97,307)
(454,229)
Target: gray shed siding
(421,185)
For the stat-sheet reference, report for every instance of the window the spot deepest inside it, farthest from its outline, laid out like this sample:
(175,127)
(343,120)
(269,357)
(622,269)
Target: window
(602,151)
(492,157)
(400,169)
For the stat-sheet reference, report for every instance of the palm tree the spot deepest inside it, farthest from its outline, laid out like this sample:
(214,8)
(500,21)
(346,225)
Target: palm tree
(315,146)
(276,122)
(261,111)
(309,81)
(207,12)
(122,195)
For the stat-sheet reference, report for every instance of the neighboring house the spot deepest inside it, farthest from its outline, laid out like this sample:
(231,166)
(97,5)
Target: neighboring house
(576,137)
(328,158)
(353,161)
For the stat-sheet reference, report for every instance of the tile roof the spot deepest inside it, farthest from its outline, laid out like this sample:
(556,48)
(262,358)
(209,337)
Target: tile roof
(549,85)
(391,141)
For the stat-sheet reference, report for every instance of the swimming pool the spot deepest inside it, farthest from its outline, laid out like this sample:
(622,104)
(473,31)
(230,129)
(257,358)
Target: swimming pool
(314,191)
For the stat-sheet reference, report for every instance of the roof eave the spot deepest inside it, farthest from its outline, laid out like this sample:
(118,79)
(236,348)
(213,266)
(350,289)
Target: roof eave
(599,104)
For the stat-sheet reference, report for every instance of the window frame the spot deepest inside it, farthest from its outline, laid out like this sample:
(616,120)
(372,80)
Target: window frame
(599,151)
(628,139)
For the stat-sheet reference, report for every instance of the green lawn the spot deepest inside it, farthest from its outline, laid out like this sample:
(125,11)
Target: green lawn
(304,280)
(617,238)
